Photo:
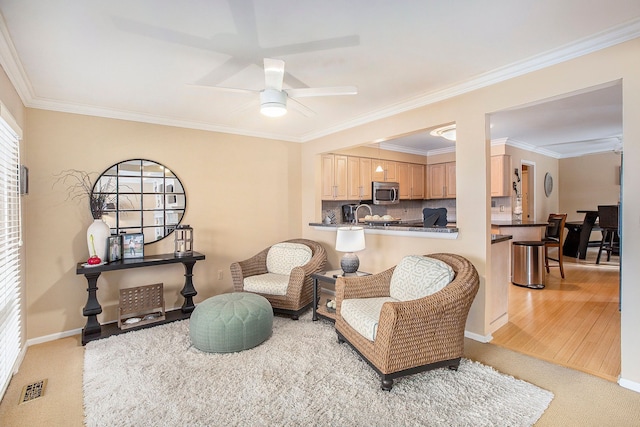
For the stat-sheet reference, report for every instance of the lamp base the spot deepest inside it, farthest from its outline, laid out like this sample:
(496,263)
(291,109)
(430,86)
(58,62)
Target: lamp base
(349,263)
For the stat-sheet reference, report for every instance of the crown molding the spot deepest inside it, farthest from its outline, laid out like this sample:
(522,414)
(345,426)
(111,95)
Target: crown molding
(12,66)
(89,110)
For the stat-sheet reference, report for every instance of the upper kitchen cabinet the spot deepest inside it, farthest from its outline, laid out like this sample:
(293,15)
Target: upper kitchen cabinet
(501,176)
(441,181)
(389,173)
(358,178)
(411,180)
(334,177)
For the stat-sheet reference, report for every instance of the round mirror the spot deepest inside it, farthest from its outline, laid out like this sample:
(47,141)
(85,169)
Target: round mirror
(140,196)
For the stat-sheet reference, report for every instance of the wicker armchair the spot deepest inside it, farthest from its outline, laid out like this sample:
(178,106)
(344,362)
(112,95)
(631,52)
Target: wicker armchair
(300,287)
(412,336)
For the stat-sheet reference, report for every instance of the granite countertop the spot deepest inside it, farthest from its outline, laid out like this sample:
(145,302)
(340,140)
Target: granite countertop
(523,223)
(407,226)
(497,238)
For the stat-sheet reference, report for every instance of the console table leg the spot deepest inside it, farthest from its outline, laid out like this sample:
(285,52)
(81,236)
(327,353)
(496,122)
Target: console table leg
(92,308)
(188,291)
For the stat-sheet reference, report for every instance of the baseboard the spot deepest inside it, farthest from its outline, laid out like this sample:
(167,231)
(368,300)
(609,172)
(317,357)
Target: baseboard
(53,337)
(476,337)
(631,385)
(65,334)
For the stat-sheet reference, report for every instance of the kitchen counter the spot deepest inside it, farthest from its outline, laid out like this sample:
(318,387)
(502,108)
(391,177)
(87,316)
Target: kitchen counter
(497,238)
(410,229)
(520,230)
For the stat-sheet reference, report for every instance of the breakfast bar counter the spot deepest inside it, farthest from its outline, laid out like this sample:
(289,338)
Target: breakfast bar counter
(409,228)
(520,230)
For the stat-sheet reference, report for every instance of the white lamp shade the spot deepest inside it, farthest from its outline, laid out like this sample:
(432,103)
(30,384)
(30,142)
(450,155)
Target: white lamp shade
(350,239)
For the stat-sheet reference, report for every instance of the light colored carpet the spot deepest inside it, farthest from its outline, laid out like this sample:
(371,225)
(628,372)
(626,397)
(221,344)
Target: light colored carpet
(299,376)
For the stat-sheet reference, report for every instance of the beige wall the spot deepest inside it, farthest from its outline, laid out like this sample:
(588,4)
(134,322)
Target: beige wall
(243,194)
(541,165)
(469,111)
(588,181)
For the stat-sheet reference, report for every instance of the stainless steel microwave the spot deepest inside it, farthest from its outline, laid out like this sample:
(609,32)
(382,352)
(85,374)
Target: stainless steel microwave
(385,193)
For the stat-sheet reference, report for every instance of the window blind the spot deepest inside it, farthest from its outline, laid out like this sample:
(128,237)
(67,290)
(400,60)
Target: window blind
(10,241)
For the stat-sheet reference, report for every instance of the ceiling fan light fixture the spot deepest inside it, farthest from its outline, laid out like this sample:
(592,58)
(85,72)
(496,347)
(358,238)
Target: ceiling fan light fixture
(446,132)
(273,103)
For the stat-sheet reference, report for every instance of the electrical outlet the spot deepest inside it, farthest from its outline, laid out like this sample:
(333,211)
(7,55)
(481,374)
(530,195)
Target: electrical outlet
(501,208)
(220,274)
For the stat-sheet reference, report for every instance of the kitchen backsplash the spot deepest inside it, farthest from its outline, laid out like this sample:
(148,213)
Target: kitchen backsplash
(406,210)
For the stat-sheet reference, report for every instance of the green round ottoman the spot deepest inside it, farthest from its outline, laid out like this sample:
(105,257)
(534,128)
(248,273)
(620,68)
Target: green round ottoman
(231,322)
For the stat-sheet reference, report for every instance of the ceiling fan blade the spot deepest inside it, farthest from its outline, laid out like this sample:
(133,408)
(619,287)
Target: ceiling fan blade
(226,89)
(244,107)
(322,91)
(273,73)
(313,46)
(301,108)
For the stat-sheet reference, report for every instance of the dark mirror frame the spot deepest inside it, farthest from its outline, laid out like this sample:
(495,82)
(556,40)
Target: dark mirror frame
(141,196)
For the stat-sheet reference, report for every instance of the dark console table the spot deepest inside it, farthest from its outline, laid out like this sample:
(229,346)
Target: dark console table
(93,330)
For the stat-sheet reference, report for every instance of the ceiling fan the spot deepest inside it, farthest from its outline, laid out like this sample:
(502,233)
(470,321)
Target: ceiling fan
(273,98)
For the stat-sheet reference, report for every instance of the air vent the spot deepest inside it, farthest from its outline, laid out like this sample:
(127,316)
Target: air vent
(32,391)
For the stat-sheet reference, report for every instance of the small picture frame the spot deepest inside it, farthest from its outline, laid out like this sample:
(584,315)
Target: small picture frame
(114,248)
(132,245)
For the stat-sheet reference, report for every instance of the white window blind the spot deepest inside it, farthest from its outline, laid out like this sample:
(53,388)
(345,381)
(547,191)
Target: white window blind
(10,241)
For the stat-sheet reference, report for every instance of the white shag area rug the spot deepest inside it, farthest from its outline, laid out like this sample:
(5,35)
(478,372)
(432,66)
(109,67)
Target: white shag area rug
(299,376)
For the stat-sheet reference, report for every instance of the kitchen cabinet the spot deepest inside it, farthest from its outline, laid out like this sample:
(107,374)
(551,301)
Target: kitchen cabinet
(501,176)
(389,173)
(334,177)
(441,181)
(411,180)
(358,178)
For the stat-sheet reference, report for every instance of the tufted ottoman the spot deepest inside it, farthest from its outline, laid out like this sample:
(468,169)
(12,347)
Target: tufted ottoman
(231,322)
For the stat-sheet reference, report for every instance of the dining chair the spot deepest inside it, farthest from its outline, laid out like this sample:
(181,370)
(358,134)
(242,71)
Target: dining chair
(553,239)
(608,222)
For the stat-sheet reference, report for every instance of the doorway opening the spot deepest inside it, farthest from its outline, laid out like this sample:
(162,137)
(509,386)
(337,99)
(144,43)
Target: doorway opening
(528,192)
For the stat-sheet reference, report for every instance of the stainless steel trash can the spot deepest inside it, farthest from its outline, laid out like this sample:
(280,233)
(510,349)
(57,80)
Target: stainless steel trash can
(528,264)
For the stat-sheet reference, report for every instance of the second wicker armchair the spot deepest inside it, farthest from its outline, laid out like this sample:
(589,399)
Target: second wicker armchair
(410,335)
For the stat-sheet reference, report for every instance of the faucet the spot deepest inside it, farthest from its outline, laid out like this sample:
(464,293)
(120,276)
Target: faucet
(355,215)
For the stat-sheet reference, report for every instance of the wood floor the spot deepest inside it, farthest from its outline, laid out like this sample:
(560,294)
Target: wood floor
(572,322)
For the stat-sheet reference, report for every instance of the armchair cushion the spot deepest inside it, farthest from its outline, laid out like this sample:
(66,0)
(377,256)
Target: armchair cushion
(419,276)
(363,314)
(268,283)
(283,257)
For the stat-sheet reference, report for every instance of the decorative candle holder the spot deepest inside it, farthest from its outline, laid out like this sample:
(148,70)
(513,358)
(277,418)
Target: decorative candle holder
(183,241)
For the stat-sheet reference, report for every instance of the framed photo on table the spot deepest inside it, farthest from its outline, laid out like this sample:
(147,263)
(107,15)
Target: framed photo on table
(132,245)
(114,248)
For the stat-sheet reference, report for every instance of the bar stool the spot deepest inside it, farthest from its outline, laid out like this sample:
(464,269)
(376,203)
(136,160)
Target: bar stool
(608,215)
(553,239)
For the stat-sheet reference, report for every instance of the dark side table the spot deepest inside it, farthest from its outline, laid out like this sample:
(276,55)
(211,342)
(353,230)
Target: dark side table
(320,310)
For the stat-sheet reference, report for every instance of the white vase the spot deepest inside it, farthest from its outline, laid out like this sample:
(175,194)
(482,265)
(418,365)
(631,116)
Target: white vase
(100,232)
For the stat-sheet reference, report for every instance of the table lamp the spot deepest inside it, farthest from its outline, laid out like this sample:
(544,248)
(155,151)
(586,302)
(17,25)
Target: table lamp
(349,240)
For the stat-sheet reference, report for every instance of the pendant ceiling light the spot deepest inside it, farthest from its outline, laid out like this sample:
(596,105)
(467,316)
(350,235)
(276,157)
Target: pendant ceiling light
(447,132)
(273,103)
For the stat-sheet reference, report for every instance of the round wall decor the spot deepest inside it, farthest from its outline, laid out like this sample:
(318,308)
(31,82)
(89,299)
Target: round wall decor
(141,196)
(548,184)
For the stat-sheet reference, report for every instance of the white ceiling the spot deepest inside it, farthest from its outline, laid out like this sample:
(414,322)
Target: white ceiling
(151,60)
